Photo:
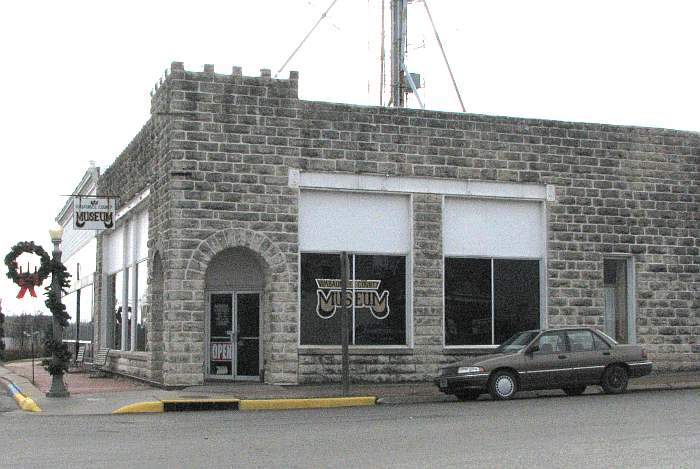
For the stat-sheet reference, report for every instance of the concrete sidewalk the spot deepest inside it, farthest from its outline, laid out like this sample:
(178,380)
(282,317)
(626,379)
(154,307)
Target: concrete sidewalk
(104,395)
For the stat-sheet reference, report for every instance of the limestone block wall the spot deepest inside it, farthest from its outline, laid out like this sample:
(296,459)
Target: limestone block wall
(140,167)
(229,141)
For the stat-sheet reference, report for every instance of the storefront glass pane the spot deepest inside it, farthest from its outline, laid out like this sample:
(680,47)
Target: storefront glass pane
(380,300)
(130,309)
(516,286)
(467,301)
(116,284)
(142,305)
(320,297)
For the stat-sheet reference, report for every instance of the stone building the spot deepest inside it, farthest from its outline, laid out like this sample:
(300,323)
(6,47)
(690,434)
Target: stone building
(236,198)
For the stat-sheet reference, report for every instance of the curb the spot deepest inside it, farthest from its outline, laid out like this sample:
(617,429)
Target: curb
(24,402)
(180,405)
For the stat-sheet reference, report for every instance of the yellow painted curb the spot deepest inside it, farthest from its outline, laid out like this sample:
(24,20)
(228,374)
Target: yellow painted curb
(307,403)
(140,407)
(26,403)
(198,401)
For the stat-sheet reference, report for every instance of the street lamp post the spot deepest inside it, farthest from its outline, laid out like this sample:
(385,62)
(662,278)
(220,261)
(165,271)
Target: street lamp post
(58,387)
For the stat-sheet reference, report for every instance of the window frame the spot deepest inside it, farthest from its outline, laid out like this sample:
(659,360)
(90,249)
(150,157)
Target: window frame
(408,319)
(541,293)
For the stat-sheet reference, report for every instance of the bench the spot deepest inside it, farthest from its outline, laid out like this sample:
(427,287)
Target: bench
(80,358)
(98,363)
(79,362)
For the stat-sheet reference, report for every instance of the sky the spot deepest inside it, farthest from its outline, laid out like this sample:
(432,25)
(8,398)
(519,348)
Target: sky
(75,76)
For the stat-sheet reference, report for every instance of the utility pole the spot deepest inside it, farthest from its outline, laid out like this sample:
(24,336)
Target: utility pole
(399,19)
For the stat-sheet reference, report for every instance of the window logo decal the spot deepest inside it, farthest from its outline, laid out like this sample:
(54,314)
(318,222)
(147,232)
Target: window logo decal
(366,295)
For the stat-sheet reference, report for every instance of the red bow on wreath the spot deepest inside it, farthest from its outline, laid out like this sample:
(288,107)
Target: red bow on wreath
(28,281)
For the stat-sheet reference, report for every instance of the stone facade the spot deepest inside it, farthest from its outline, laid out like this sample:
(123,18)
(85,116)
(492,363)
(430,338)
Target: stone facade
(216,155)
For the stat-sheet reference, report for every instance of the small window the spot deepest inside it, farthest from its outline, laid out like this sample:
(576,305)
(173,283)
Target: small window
(581,341)
(599,343)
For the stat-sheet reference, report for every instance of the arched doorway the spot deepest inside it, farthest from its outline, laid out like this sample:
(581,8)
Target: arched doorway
(234,283)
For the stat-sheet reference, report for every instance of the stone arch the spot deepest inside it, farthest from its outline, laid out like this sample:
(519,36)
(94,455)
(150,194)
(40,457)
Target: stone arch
(279,305)
(231,238)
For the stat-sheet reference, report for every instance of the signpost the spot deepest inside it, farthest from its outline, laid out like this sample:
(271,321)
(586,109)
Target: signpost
(344,321)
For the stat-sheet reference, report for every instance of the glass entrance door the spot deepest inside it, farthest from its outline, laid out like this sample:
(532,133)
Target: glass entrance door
(233,336)
(220,335)
(247,335)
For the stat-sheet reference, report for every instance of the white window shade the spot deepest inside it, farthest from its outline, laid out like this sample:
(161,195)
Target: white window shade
(142,236)
(493,228)
(350,221)
(113,251)
(132,229)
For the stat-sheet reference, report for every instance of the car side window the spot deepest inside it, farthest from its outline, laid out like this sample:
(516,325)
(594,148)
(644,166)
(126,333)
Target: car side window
(552,342)
(581,341)
(599,343)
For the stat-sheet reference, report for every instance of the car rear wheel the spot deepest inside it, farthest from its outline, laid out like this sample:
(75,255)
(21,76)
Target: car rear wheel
(503,385)
(615,379)
(574,390)
(468,395)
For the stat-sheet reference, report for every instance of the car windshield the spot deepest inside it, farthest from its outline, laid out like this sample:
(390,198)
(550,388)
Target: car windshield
(517,342)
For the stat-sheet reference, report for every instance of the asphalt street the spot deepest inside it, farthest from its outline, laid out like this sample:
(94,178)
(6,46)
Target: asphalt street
(7,403)
(655,429)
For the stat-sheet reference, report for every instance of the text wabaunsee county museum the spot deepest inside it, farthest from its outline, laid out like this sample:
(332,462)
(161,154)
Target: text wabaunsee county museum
(236,198)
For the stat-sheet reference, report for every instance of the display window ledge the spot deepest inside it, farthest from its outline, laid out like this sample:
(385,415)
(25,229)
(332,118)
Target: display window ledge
(355,350)
(138,356)
(479,350)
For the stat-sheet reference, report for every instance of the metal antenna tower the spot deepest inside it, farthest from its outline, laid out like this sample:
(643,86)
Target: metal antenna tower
(399,19)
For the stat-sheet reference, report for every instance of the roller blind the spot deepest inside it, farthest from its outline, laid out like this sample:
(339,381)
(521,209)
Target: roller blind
(493,228)
(352,221)
(142,238)
(113,250)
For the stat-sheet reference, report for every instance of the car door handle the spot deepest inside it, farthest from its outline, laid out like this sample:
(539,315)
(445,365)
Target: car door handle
(562,356)
(606,353)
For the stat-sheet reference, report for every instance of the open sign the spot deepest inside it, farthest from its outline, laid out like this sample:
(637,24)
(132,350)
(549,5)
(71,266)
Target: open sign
(221,351)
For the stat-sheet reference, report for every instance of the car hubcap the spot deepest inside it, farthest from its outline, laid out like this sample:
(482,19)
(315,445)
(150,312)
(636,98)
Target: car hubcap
(617,378)
(504,386)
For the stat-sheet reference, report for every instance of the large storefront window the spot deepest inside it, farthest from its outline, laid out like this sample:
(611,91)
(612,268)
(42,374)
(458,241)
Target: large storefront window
(488,300)
(376,299)
(125,261)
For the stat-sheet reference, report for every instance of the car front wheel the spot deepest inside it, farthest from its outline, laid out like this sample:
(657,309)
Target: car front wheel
(615,380)
(503,385)
(574,390)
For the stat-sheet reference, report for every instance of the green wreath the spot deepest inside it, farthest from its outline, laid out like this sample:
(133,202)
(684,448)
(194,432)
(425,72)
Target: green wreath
(60,356)
(28,280)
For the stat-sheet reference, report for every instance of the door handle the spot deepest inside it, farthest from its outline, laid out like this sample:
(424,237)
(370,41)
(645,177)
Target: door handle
(562,357)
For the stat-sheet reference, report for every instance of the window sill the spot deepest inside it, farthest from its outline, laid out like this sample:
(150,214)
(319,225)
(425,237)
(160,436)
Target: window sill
(468,351)
(137,356)
(355,350)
